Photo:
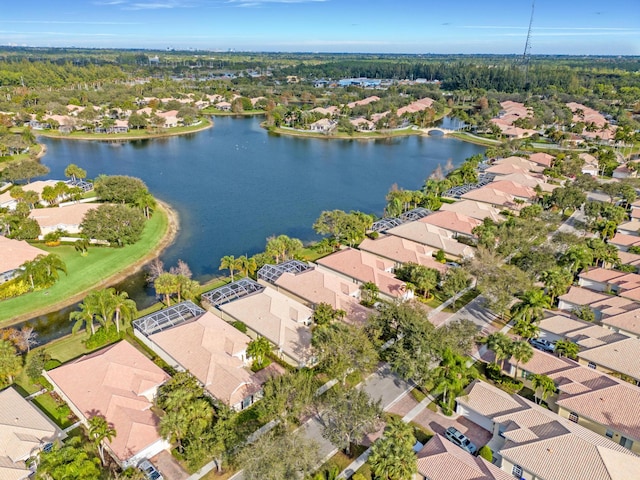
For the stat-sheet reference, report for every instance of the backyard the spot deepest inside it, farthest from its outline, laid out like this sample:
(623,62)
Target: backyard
(84,272)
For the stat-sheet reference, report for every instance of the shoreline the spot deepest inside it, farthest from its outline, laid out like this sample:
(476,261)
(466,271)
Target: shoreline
(173,227)
(122,138)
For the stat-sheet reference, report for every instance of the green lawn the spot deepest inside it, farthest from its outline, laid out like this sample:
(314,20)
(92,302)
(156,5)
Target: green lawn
(61,416)
(84,273)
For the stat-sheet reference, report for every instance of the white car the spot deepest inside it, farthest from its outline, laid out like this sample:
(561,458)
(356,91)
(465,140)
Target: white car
(456,436)
(150,471)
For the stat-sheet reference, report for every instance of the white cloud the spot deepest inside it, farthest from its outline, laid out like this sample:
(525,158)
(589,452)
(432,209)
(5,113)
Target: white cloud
(259,3)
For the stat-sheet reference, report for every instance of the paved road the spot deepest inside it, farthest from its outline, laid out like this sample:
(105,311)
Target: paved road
(382,384)
(476,312)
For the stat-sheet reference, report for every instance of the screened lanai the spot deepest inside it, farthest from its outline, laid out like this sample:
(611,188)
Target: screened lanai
(271,273)
(415,214)
(385,224)
(169,317)
(232,291)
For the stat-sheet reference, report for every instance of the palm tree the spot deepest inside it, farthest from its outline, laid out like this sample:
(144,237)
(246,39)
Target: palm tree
(82,318)
(101,303)
(166,284)
(452,375)
(521,352)
(100,430)
(544,384)
(75,172)
(258,349)
(33,270)
(124,309)
(526,329)
(567,348)
(557,280)
(247,265)
(52,263)
(146,202)
(499,344)
(229,262)
(392,456)
(82,246)
(531,305)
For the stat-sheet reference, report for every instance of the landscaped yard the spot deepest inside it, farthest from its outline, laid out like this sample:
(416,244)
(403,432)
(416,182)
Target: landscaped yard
(56,411)
(84,273)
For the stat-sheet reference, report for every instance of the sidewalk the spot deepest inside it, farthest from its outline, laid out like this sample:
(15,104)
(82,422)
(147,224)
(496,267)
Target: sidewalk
(361,460)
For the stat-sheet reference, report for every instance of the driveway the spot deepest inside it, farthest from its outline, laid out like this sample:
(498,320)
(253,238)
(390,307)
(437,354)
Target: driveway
(438,423)
(478,314)
(169,466)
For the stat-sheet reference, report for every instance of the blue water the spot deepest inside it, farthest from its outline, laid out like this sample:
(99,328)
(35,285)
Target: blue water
(235,185)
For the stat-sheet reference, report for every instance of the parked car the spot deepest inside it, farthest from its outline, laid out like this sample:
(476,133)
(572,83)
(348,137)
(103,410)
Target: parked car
(542,344)
(150,471)
(456,436)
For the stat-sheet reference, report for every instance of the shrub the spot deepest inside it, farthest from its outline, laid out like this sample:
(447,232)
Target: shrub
(373,235)
(13,288)
(358,476)
(486,453)
(51,364)
(102,337)
(240,326)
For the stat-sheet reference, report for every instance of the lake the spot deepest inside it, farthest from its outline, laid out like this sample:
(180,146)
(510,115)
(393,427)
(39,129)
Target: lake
(235,184)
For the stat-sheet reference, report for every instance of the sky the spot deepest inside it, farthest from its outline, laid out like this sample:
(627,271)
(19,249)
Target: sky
(572,27)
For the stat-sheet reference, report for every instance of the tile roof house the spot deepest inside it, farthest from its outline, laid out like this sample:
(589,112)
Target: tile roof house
(543,159)
(624,241)
(361,267)
(316,286)
(119,383)
(617,357)
(521,162)
(364,101)
(24,431)
(493,197)
(602,279)
(472,209)
(517,190)
(277,317)
(530,441)
(67,219)
(400,250)
(627,322)
(13,253)
(612,306)
(577,297)
(215,353)
(434,237)
(6,201)
(455,222)
(440,459)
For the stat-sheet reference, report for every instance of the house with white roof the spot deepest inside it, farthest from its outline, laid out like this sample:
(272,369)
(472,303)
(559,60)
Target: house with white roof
(532,442)
(24,432)
(267,313)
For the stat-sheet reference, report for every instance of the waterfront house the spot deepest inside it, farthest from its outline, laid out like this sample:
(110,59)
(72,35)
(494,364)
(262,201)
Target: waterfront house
(459,224)
(400,250)
(362,267)
(24,432)
(66,219)
(311,286)
(13,254)
(324,125)
(473,209)
(118,383)
(213,351)
(433,237)
(267,313)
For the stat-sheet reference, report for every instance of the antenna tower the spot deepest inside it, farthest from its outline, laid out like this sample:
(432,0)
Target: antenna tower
(527,46)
